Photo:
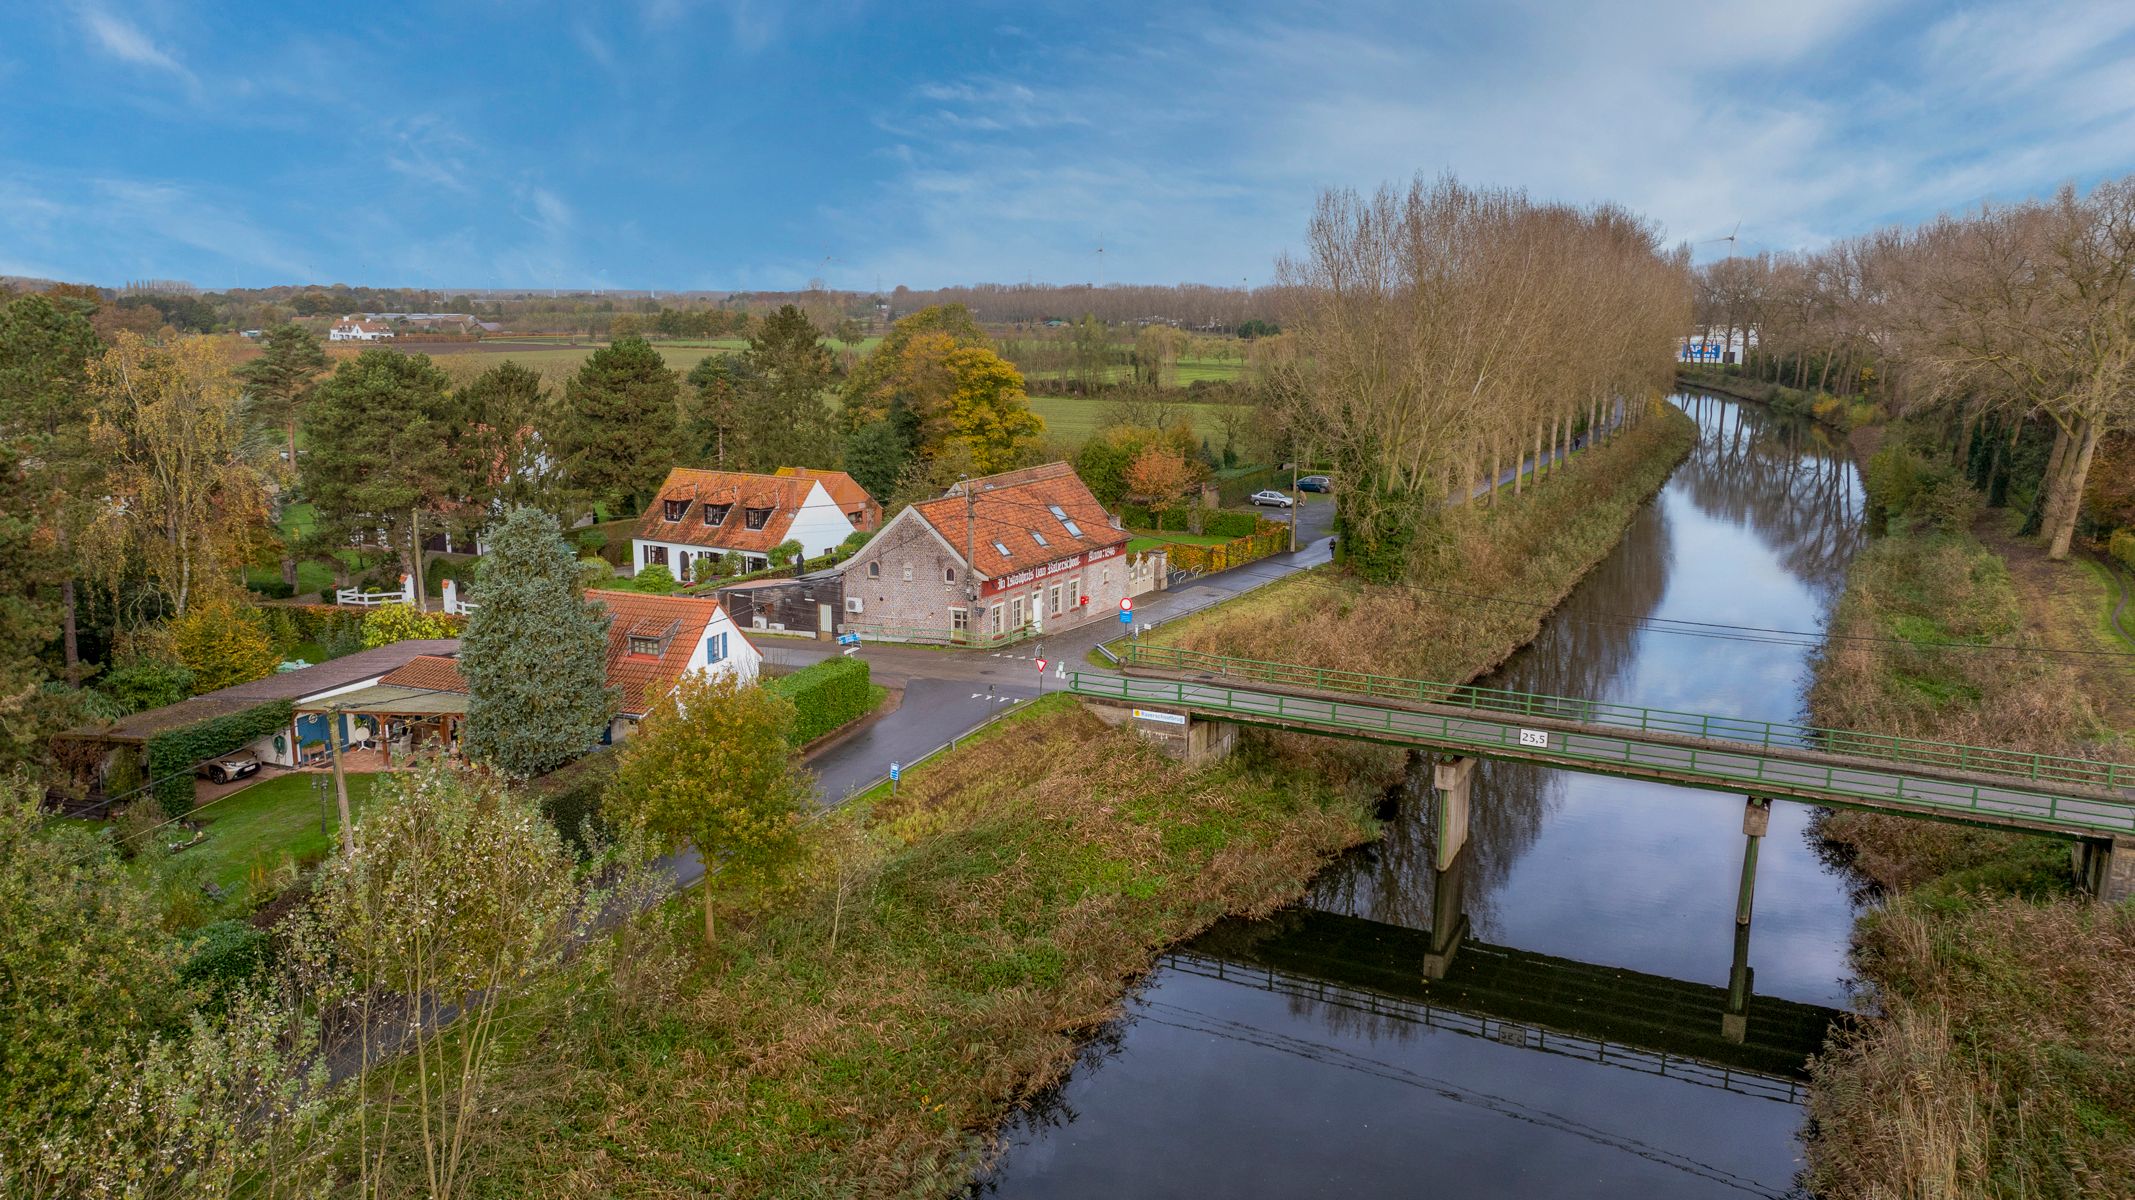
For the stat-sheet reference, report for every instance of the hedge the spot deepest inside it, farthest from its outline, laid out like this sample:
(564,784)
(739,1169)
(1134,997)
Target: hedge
(1272,538)
(174,753)
(826,696)
(569,796)
(2122,547)
(1231,524)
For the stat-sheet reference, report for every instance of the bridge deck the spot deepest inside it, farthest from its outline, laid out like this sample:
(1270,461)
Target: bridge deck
(1817,776)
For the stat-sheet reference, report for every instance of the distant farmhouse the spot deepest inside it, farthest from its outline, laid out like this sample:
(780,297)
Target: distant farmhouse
(359,329)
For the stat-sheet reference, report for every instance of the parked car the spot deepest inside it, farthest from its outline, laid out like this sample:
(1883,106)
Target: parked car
(1315,483)
(229,767)
(1271,498)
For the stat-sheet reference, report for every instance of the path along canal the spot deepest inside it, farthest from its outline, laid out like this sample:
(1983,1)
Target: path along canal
(1573,1047)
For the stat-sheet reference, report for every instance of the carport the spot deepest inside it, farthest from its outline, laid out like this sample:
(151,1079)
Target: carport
(411,720)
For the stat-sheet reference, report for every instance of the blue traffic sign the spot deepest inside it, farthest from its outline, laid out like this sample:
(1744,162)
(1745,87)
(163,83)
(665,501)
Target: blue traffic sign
(895,771)
(1125,617)
(848,639)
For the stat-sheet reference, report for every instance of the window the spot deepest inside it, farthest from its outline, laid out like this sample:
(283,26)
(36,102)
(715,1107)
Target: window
(673,509)
(715,648)
(1052,600)
(649,647)
(908,572)
(1003,549)
(715,514)
(852,604)
(996,619)
(1067,523)
(948,574)
(655,554)
(857,518)
(1015,612)
(755,518)
(1039,538)
(1075,591)
(874,569)
(959,620)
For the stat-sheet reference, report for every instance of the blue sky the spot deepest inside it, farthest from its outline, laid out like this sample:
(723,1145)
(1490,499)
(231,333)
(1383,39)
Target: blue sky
(757,144)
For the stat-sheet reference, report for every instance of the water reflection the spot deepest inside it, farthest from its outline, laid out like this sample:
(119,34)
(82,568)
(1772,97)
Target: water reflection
(1571,1042)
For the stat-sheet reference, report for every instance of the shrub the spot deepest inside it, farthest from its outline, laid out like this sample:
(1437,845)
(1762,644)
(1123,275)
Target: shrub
(854,540)
(826,696)
(223,643)
(2122,547)
(143,683)
(1232,525)
(569,797)
(391,623)
(1946,502)
(655,579)
(784,553)
(273,589)
(228,954)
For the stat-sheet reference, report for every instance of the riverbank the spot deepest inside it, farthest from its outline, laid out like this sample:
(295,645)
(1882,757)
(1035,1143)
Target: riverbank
(1996,1050)
(941,962)
(1834,412)
(1504,568)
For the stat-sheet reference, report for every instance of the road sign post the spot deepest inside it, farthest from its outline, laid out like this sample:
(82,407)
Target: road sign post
(896,770)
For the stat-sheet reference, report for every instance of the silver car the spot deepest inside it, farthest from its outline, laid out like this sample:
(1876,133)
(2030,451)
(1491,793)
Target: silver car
(1272,499)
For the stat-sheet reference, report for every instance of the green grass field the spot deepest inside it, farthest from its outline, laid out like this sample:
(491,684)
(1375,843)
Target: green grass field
(268,821)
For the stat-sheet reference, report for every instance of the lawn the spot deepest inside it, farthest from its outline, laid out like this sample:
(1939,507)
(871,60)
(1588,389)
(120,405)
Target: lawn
(1145,540)
(1075,418)
(263,824)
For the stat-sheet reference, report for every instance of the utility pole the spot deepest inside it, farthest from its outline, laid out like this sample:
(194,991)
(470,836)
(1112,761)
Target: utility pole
(333,744)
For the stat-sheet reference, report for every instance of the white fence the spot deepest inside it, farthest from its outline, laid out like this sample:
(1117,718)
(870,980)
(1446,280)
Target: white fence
(358,598)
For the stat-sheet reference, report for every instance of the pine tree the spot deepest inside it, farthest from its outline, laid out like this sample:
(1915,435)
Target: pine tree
(280,379)
(782,418)
(45,349)
(534,653)
(617,437)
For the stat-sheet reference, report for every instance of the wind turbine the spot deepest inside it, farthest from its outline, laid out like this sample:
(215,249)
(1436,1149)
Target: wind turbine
(1729,239)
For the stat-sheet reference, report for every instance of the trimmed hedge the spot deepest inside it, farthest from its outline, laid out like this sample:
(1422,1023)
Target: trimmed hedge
(827,696)
(174,753)
(1232,524)
(569,796)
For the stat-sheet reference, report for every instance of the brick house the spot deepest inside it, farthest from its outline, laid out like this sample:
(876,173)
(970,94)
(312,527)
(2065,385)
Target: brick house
(707,514)
(1002,556)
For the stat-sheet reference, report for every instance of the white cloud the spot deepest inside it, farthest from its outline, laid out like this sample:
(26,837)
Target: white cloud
(125,41)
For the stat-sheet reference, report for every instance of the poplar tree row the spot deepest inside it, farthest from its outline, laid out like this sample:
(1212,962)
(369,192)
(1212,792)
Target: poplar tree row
(1444,335)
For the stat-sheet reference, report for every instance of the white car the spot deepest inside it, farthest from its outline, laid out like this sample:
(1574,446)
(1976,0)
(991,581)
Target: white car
(1271,498)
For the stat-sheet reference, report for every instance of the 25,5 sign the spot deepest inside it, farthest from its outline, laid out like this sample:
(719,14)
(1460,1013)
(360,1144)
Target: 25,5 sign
(1538,738)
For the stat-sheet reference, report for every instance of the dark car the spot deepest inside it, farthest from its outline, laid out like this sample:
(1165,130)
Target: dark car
(1315,483)
(229,767)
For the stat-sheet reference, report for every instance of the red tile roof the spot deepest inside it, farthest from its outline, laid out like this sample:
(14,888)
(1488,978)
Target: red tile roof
(679,621)
(783,495)
(843,488)
(1008,508)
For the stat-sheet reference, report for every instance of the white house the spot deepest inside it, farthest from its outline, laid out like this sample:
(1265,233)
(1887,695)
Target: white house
(707,514)
(359,329)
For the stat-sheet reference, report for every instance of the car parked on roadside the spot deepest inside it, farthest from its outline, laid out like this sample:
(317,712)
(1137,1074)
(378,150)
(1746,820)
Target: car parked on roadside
(228,768)
(1271,498)
(1315,483)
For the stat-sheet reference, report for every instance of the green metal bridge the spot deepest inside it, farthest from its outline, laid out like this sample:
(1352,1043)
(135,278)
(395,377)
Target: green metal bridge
(2068,797)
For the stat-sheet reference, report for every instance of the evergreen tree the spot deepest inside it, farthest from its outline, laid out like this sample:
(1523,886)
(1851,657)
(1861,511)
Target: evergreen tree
(389,449)
(621,414)
(534,652)
(28,566)
(712,420)
(876,456)
(280,379)
(45,348)
(509,414)
(783,420)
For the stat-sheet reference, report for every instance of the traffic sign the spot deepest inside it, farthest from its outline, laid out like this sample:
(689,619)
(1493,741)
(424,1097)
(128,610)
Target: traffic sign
(1126,604)
(848,639)
(895,771)
(1125,617)
(1041,666)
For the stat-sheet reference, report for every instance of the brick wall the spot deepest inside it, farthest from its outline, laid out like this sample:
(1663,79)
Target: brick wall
(877,577)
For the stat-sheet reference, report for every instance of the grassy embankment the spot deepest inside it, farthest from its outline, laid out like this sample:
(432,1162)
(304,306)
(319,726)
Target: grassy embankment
(865,1033)
(1535,548)
(1996,1055)
(1838,412)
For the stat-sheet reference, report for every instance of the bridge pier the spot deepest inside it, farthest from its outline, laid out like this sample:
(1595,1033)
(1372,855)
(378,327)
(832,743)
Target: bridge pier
(1192,738)
(1454,780)
(1449,920)
(1756,821)
(1735,1022)
(2106,868)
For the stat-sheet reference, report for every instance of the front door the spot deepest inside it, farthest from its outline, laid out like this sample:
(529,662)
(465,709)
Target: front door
(824,623)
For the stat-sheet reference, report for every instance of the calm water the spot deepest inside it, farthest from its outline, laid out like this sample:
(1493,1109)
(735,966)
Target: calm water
(1573,1048)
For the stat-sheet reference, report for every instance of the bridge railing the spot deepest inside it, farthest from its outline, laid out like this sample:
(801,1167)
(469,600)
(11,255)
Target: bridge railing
(1728,765)
(1987,760)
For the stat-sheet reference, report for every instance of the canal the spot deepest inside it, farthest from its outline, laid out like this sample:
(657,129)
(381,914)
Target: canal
(1573,1045)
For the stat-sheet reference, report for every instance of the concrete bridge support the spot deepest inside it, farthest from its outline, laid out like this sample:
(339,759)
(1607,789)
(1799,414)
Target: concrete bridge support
(1186,736)
(1756,822)
(1449,918)
(2106,868)
(1454,780)
(1735,1022)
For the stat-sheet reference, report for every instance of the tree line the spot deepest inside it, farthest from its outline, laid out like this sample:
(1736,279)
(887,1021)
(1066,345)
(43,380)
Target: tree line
(2013,316)
(1439,333)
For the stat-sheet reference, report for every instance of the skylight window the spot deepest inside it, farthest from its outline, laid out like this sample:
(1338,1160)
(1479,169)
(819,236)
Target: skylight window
(1066,522)
(1003,549)
(1039,538)
(1073,529)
